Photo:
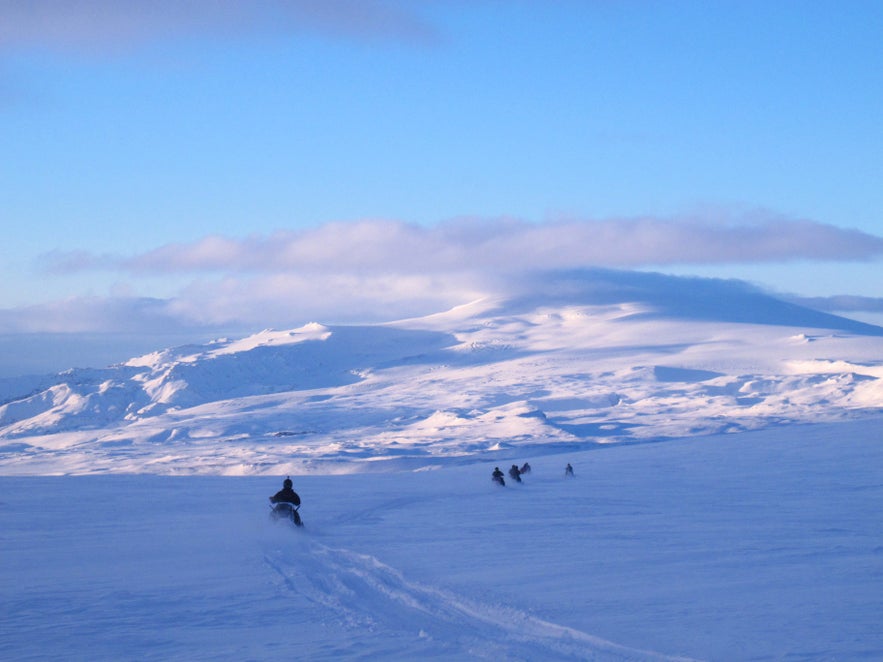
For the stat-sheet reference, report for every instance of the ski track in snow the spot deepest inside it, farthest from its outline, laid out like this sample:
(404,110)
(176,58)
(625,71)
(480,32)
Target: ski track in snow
(366,594)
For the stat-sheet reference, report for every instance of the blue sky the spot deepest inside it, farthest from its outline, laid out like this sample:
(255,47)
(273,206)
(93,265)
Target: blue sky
(246,164)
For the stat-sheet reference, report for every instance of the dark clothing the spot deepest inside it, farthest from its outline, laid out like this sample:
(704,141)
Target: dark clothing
(286,495)
(526,468)
(498,477)
(515,473)
(568,470)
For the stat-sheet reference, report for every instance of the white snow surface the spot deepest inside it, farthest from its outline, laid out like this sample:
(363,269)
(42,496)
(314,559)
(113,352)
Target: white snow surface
(726,504)
(763,545)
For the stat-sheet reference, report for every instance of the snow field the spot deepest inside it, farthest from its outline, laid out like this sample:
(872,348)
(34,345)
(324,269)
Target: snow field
(758,545)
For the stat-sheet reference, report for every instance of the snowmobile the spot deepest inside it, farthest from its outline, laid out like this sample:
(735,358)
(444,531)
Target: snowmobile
(285,510)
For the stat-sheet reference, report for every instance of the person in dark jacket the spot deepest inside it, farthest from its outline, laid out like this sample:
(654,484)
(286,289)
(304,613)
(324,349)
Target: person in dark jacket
(568,471)
(286,494)
(286,503)
(497,477)
(515,472)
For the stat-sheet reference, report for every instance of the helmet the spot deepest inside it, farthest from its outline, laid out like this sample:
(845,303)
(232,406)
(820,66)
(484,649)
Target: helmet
(286,482)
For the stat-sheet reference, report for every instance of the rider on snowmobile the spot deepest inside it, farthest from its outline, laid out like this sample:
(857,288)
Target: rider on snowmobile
(286,494)
(286,502)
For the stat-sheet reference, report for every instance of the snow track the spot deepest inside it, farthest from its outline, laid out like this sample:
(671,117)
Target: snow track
(366,595)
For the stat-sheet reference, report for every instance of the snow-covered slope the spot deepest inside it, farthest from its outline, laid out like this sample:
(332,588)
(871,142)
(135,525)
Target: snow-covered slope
(758,546)
(611,358)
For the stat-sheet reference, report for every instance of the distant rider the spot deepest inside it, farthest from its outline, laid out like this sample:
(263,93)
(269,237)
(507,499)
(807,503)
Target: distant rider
(515,472)
(497,476)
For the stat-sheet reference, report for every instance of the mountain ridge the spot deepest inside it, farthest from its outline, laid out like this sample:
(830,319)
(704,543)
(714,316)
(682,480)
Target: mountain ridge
(574,370)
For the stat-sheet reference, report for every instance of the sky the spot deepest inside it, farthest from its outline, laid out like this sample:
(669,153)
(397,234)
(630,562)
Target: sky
(185,167)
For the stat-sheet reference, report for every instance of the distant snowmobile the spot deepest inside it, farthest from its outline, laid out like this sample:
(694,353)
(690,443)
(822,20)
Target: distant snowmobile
(284,510)
(497,477)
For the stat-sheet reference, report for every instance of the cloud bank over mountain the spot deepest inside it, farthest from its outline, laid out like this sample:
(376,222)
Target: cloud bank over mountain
(379,270)
(494,244)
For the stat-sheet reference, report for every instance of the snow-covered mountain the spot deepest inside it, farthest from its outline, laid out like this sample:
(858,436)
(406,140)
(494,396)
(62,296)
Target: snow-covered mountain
(602,357)
(755,546)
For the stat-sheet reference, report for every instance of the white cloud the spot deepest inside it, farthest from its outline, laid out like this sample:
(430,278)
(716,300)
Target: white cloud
(280,300)
(229,304)
(391,247)
(380,270)
(91,314)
